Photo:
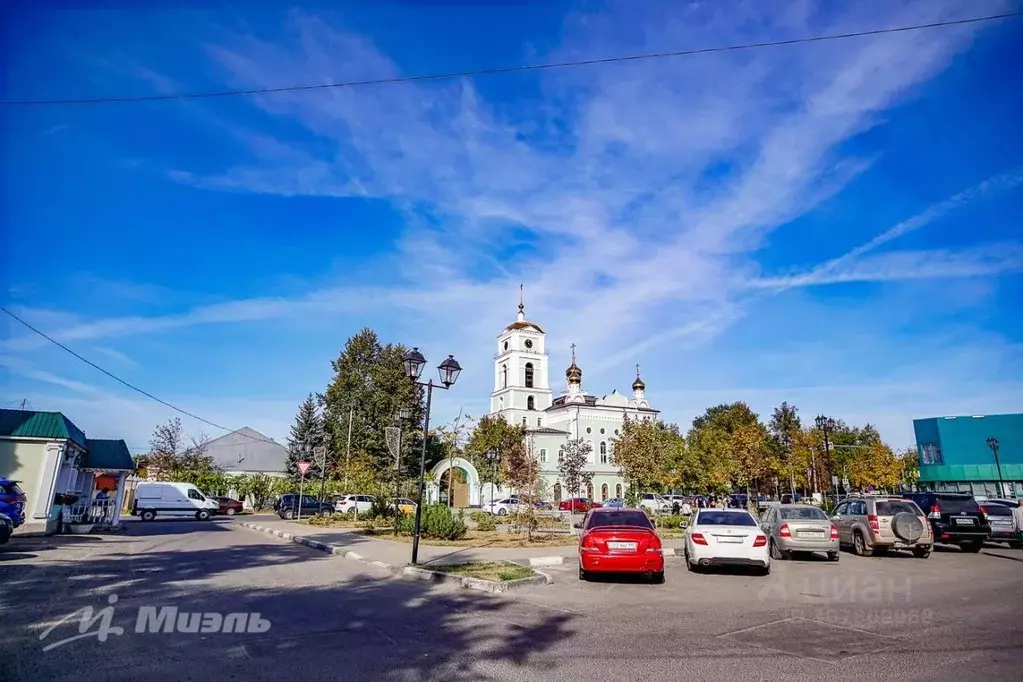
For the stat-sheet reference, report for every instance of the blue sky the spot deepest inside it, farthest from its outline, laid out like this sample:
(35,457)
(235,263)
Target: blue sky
(833,224)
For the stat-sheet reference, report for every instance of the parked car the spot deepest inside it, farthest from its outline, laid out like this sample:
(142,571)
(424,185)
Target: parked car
(799,528)
(870,523)
(655,503)
(354,504)
(726,537)
(228,506)
(503,507)
(12,501)
(171,499)
(6,528)
(578,505)
(614,503)
(619,541)
(955,519)
(1002,527)
(405,505)
(290,505)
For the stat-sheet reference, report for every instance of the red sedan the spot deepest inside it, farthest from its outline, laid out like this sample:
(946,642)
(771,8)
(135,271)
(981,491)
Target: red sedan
(578,505)
(620,541)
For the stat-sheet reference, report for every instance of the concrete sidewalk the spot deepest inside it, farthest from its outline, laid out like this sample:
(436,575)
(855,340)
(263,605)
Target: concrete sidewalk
(397,554)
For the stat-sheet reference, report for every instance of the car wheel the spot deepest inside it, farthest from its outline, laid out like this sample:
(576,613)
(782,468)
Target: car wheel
(657,578)
(202,515)
(324,513)
(778,553)
(230,511)
(921,552)
(860,545)
(504,512)
(972,547)
(832,556)
(582,574)
(148,515)
(766,570)
(289,514)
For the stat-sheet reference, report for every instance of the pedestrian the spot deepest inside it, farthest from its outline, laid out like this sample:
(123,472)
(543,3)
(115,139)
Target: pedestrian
(687,510)
(103,494)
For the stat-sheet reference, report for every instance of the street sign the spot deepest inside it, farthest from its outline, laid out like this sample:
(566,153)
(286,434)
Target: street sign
(320,453)
(303,467)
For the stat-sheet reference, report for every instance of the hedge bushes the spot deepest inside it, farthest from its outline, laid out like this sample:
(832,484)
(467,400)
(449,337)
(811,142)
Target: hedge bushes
(485,523)
(438,522)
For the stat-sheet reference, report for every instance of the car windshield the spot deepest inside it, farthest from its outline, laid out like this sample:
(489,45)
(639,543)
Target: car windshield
(724,518)
(998,510)
(803,514)
(955,505)
(893,507)
(623,518)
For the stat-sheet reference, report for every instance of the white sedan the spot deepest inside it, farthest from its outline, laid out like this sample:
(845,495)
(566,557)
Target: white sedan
(726,537)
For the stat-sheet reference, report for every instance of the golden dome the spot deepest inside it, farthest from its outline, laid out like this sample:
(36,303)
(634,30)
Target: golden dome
(574,374)
(523,324)
(638,385)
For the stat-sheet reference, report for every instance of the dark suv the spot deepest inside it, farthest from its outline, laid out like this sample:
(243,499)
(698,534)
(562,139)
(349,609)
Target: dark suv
(287,506)
(956,519)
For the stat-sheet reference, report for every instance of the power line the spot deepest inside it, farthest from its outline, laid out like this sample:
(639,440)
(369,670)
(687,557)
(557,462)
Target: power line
(517,69)
(132,386)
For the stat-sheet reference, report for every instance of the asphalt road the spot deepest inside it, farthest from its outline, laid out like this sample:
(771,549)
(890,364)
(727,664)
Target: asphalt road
(948,617)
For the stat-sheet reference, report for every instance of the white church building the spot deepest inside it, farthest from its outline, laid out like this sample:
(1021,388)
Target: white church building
(523,395)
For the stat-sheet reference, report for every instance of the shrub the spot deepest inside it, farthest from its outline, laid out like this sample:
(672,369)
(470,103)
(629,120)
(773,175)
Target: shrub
(485,523)
(478,516)
(439,522)
(366,516)
(382,508)
(670,520)
(319,521)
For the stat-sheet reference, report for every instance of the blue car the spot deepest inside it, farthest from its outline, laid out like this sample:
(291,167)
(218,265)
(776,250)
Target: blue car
(615,503)
(12,501)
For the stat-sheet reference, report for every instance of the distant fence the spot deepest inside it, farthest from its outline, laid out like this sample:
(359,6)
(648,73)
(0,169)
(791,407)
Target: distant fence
(96,511)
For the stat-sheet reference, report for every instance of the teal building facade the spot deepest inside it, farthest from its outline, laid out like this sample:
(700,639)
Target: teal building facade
(956,454)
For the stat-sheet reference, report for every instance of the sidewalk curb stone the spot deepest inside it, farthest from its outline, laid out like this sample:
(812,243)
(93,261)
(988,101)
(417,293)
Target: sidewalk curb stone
(417,573)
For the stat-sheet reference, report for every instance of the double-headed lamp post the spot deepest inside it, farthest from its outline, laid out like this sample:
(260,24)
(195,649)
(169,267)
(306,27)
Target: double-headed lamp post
(992,443)
(827,425)
(449,371)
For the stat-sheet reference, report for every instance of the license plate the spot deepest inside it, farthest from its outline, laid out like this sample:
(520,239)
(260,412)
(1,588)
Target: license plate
(812,533)
(630,546)
(964,522)
(729,538)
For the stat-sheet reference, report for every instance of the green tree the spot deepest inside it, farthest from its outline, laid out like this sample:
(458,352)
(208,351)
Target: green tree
(651,455)
(909,466)
(522,473)
(492,437)
(173,456)
(369,389)
(572,465)
(784,428)
(306,433)
(453,437)
(730,442)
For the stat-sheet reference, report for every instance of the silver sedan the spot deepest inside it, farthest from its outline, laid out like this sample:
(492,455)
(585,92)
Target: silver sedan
(799,528)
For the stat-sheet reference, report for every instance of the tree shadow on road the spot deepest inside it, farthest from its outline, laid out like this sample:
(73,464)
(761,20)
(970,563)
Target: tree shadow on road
(371,626)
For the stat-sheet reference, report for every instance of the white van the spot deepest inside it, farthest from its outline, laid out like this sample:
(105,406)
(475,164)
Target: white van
(171,499)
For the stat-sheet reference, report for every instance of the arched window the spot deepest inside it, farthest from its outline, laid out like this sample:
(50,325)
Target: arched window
(529,375)
(589,491)
(557,492)
(530,404)
(561,453)
(603,452)
(603,492)
(504,376)
(543,456)
(618,490)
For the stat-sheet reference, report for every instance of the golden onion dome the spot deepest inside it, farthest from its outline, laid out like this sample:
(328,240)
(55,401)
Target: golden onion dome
(638,385)
(574,374)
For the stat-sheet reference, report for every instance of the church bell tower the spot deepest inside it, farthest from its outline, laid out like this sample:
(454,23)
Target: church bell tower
(521,385)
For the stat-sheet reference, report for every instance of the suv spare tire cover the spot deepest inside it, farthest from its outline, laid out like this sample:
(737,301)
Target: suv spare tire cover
(907,527)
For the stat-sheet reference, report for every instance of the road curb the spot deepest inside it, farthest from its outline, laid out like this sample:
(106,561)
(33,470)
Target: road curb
(415,572)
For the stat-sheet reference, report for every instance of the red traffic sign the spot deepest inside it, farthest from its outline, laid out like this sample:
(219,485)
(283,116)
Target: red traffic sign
(303,467)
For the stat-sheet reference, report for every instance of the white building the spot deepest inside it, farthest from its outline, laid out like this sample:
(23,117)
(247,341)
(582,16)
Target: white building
(522,395)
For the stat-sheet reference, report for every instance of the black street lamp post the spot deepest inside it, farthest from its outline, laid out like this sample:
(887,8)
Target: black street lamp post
(402,416)
(826,425)
(449,371)
(992,443)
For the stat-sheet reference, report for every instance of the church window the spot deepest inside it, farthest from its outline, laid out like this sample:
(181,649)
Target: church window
(589,430)
(543,456)
(524,422)
(561,454)
(589,491)
(529,375)
(618,490)
(539,421)
(530,403)
(603,492)
(529,343)
(616,432)
(557,492)
(603,452)
(506,345)
(504,376)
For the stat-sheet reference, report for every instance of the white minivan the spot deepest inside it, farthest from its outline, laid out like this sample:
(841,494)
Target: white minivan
(171,499)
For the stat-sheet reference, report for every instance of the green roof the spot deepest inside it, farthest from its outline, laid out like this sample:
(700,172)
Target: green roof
(108,455)
(27,424)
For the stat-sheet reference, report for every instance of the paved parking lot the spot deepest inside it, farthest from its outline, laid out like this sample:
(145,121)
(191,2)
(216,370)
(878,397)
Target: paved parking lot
(946,617)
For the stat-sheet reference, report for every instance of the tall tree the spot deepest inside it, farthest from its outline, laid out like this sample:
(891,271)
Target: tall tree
(306,433)
(522,473)
(453,437)
(784,427)
(651,456)
(175,456)
(490,441)
(572,465)
(731,443)
(369,389)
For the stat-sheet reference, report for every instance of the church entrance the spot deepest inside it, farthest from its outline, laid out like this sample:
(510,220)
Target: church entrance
(459,487)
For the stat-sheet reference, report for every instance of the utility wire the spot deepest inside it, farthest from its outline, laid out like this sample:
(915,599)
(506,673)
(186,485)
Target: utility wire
(132,386)
(517,69)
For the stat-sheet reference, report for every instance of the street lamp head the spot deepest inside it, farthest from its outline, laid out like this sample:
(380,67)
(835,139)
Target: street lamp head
(449,371)
(992,443)
(404,414)
(414,363)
